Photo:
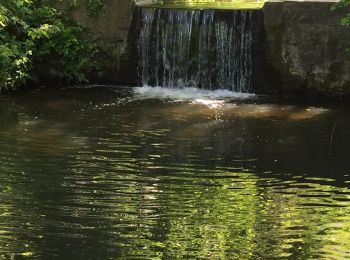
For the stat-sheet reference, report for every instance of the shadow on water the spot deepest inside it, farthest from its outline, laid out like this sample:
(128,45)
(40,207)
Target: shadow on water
(105,173)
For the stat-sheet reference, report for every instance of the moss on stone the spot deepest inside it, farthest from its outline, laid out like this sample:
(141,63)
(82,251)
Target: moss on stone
(205,5)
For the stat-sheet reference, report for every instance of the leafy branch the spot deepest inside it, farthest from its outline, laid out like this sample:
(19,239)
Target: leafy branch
(32,32)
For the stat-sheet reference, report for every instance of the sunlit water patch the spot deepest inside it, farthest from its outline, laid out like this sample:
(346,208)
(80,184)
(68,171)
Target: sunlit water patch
(101,173)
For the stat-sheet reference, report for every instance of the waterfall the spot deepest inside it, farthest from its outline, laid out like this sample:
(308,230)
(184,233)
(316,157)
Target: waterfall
(196,48)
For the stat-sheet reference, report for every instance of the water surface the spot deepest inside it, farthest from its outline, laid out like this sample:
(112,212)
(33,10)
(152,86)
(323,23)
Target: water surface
(105,173)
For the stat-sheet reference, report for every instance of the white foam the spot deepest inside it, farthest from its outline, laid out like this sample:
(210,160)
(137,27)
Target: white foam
(188,93)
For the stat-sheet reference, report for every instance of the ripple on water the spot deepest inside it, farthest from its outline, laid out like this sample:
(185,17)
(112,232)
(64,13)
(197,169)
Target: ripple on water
(158,179)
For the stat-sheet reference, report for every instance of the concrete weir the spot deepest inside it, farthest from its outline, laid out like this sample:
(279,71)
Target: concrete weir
(301,48)
(305,49)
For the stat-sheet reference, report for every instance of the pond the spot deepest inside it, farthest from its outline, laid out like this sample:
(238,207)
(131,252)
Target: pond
(141,173)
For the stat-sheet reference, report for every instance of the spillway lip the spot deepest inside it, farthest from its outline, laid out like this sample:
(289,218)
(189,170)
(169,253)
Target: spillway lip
(204,6)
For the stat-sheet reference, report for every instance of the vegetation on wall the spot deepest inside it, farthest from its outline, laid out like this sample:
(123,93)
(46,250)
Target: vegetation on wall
(31,33)
(93,7)
(343,4)
(345,20)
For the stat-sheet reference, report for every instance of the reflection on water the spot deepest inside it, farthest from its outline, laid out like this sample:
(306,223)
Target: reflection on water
(97,173)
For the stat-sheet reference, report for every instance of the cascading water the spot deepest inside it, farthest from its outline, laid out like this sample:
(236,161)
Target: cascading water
(188,48)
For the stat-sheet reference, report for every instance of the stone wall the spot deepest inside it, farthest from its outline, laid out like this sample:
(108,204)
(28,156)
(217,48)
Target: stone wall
(305,50)
(114,28)
(301,47)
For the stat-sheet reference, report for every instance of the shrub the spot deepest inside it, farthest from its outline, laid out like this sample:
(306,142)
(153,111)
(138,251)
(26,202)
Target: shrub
(30,33)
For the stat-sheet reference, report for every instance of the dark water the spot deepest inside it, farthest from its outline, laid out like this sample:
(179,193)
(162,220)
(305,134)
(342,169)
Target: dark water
(104,174)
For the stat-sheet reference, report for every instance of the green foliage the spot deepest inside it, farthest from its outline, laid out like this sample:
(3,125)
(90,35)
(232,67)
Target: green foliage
(31,32)
(343,4)
(15,61)
(93,7)
(345,20)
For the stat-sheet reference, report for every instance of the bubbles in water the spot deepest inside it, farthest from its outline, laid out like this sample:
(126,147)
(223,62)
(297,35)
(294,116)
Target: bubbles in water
(189,93)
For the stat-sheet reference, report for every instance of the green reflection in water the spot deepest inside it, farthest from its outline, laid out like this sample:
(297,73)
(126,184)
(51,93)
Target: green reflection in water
(158,179)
